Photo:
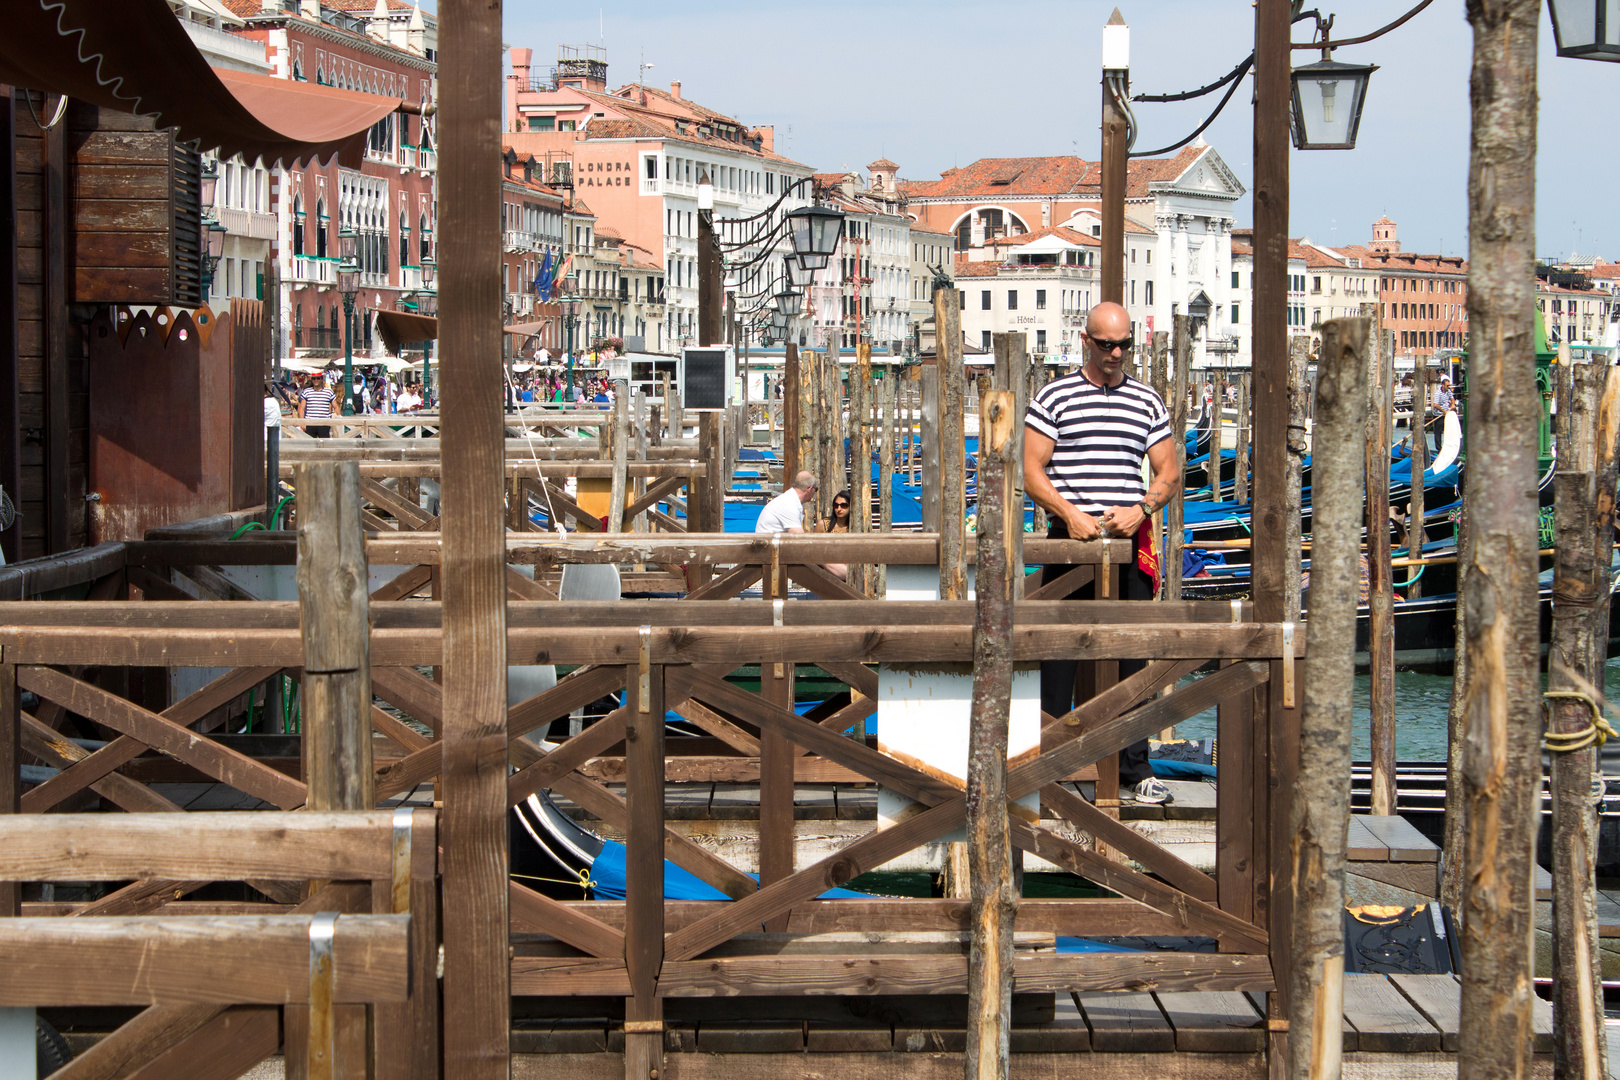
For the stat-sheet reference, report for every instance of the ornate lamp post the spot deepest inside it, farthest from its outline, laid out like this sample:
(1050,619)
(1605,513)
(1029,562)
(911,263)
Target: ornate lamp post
(211,233)
(570,307)
(427,303)
(1327,102)
(348,286)
(815,230)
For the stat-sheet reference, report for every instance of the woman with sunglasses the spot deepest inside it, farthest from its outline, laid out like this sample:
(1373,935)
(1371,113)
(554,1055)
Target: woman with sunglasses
(839,522)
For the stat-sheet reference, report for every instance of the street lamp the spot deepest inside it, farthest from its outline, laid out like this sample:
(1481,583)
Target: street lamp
(815,230)
(1585,29)
(789,302)
(212,246)
(348,284)
(570,307)
(427,303)
(1328,97)
(798,275)
(214,240)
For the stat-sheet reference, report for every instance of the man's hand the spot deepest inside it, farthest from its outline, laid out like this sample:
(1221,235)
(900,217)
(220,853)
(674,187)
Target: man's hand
(1082,526)
(1123,521)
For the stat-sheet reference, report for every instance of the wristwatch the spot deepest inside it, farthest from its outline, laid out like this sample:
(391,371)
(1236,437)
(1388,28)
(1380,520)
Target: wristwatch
(1147,511)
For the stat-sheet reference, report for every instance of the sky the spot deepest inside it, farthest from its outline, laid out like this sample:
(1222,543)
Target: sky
(943,83)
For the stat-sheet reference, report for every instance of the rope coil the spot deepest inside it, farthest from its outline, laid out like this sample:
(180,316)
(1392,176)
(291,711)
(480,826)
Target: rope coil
(1598,732)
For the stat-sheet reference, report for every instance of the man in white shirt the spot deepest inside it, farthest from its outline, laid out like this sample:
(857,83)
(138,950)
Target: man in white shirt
(785,513)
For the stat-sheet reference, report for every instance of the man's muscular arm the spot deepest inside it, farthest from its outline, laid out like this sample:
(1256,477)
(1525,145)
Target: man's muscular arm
(1037,455)
(1125,520)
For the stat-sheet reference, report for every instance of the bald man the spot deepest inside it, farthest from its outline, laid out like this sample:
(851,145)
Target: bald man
(1085,437)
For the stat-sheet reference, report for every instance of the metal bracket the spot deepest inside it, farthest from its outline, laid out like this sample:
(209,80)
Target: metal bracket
(1237,611)
(1104,578)
(400,900)
(322,1046)
(776,584)
(644,671)
(776,621)
(1288,664)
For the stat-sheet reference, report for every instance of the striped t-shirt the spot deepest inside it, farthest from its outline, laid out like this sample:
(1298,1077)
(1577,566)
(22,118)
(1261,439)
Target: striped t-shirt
(317,402)
(1101,436)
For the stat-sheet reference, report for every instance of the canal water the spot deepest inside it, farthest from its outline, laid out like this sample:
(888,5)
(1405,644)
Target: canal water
(1421,702)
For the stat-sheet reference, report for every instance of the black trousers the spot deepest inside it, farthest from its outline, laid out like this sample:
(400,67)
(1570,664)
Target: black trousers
(319,432)
(1057,676)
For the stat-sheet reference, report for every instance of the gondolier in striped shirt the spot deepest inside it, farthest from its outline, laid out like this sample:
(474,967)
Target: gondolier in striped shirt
(1085,438)
(315,403)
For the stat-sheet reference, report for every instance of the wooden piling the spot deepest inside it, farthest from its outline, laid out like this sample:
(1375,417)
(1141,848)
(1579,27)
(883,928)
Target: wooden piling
(990,870)
(952,474)
(644,866)
(860,450)
(1419,427)
(620,442)
(1295,449)
(1501,774)
(1174,510)
(477,977)
(1380,360)
(1217,433)
(1319,816)
(1589,424)
(1245,432)
(889,394)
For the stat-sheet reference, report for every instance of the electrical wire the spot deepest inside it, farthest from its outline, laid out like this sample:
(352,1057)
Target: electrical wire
(1235,73)
(1380,32)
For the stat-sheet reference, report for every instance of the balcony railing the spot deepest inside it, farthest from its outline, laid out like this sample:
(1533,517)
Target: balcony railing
(225,44)
(427,160)
(649,185)
(317,337)
(315,269)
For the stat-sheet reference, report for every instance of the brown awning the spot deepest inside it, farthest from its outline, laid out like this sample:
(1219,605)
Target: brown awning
(134,56)
(398,327)
(525,329)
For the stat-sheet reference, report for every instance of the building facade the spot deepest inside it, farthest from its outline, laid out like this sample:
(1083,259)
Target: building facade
(1423,298)
(386,49)
(637,155)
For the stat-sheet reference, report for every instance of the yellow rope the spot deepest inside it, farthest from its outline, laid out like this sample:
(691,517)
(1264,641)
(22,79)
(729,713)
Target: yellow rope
(1598,732)
(584,882)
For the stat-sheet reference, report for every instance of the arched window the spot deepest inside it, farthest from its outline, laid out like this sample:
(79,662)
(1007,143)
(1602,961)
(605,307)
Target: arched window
(320,228)
(404,240)
(426,237)
(297,226)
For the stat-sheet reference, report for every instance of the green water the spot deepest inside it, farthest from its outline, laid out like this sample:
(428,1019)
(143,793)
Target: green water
(1421,702)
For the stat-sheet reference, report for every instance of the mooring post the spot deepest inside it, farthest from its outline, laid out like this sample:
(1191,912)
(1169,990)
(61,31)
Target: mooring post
(1589,424)
(1498,606)
(1217,433)
(334,619)
(1245,430)
(1419,427)
(1175,510)
(790,414)
(951,477)
(860,495)
(990,864)
(644,865)
(621,457)
(888,395)
(1319,816)
(1295,449)
(1380,360)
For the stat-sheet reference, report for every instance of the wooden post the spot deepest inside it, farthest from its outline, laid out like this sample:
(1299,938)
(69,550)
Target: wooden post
(808,419)
(1012,375)
(1298,445)
(860,495)
(334,616)
(1415,532)
(889,393)
(791,418)
(925,449)
(1380,361)
(1245,432)
(10,753)
(1217,433)
(1319,817)
(1174,511)
(1501,775)
(990,870)
(477,974)
(1589,421)
(776,759)
(953,450)
(1115,153)
(644,866)
(621,458)
(1271,561)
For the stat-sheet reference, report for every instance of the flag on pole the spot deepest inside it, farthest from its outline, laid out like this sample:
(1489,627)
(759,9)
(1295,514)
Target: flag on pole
(562,273)
(542,279)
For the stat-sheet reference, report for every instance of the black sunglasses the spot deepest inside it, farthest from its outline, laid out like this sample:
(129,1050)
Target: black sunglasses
(840,506)
(1124,344)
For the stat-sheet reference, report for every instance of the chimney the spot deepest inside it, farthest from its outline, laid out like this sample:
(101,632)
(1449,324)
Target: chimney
(377,25)
(767,138)
(521,60)
(270,7)
(310,9)
(675,89)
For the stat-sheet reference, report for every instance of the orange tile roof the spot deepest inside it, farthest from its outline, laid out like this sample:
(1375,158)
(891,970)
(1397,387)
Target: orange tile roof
(1048,176)
(1405,261)
(1062,232)
(965,268)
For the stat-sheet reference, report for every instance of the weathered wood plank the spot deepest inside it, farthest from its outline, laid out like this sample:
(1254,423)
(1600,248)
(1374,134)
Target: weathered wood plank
(1401,837)
(196,959)
(1214,1022)
(1385,1021)
(1439,999)
(1130,1023)
(207,845)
